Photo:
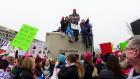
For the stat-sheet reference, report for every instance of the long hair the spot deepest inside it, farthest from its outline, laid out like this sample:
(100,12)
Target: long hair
(28,64)
(19,61)
(113,64)
(72,58)
(80,70)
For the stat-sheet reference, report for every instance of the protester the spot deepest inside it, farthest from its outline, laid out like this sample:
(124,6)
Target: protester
(70,34)
(113,70)
(84,32)
(10,58)
(47,68)
(89,30)
(61,62)
(72,71)
(99,64)
(16,70)
(28,66)
(132,52)
(63,24)
(38,64)
(89,66)
(4,74)
(75,18)
(79,64)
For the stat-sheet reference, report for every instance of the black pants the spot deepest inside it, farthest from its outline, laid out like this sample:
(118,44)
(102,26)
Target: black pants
(76,34)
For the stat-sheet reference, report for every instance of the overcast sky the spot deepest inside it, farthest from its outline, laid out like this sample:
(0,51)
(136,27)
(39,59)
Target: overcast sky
(108,17)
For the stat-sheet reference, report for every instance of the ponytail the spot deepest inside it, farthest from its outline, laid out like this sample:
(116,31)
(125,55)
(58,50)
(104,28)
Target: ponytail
(80,70)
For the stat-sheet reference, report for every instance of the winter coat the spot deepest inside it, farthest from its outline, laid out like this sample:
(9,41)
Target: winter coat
(109,74)
(100,67)
(88,70)
(75,18)
(68,73)
(26,75)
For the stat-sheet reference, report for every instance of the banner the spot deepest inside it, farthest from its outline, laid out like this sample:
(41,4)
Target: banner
(122,46)
(24,37)
(106,48)
(4,43)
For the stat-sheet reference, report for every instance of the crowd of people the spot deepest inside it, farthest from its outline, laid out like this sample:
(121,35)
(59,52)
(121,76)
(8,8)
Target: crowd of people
(89,65)
(70,26)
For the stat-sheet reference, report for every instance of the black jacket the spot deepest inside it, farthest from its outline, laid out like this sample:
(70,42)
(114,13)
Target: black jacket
(100,67)
(108,74)
(68,73)
(26,75)
(88,70)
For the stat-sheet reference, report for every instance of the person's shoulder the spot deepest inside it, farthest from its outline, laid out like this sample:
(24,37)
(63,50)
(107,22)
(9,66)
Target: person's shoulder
(26,75)
(71,15)
(106,71)
(77,14)
(71,68)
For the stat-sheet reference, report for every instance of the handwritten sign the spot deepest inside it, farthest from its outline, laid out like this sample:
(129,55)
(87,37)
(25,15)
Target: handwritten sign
(4,43)
(24,37)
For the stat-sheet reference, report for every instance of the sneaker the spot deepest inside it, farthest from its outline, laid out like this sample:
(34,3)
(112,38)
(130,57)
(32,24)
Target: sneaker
(70,41)
(76,39)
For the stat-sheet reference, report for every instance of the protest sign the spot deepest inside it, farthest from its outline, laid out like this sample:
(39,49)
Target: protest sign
(122,46)
(106,48)
(4,43)
(24,37)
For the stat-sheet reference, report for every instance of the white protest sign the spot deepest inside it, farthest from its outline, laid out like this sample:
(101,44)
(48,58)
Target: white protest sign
(4,43)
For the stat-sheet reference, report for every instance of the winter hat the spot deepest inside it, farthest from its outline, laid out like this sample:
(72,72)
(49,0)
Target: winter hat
(61,58)
(88,55)
(99,61)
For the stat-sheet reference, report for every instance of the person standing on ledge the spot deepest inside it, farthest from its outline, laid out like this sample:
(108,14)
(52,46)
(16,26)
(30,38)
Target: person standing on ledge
(75,18)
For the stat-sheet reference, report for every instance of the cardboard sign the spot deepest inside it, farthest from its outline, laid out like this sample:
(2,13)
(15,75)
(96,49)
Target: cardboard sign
(106,48)
(123,45)
(24,37)
(74,26)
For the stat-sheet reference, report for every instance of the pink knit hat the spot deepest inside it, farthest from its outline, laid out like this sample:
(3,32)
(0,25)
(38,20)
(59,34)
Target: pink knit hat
(99,61)
(88,55)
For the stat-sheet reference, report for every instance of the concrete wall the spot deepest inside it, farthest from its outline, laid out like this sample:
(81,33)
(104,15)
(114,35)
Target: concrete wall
(60,44)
